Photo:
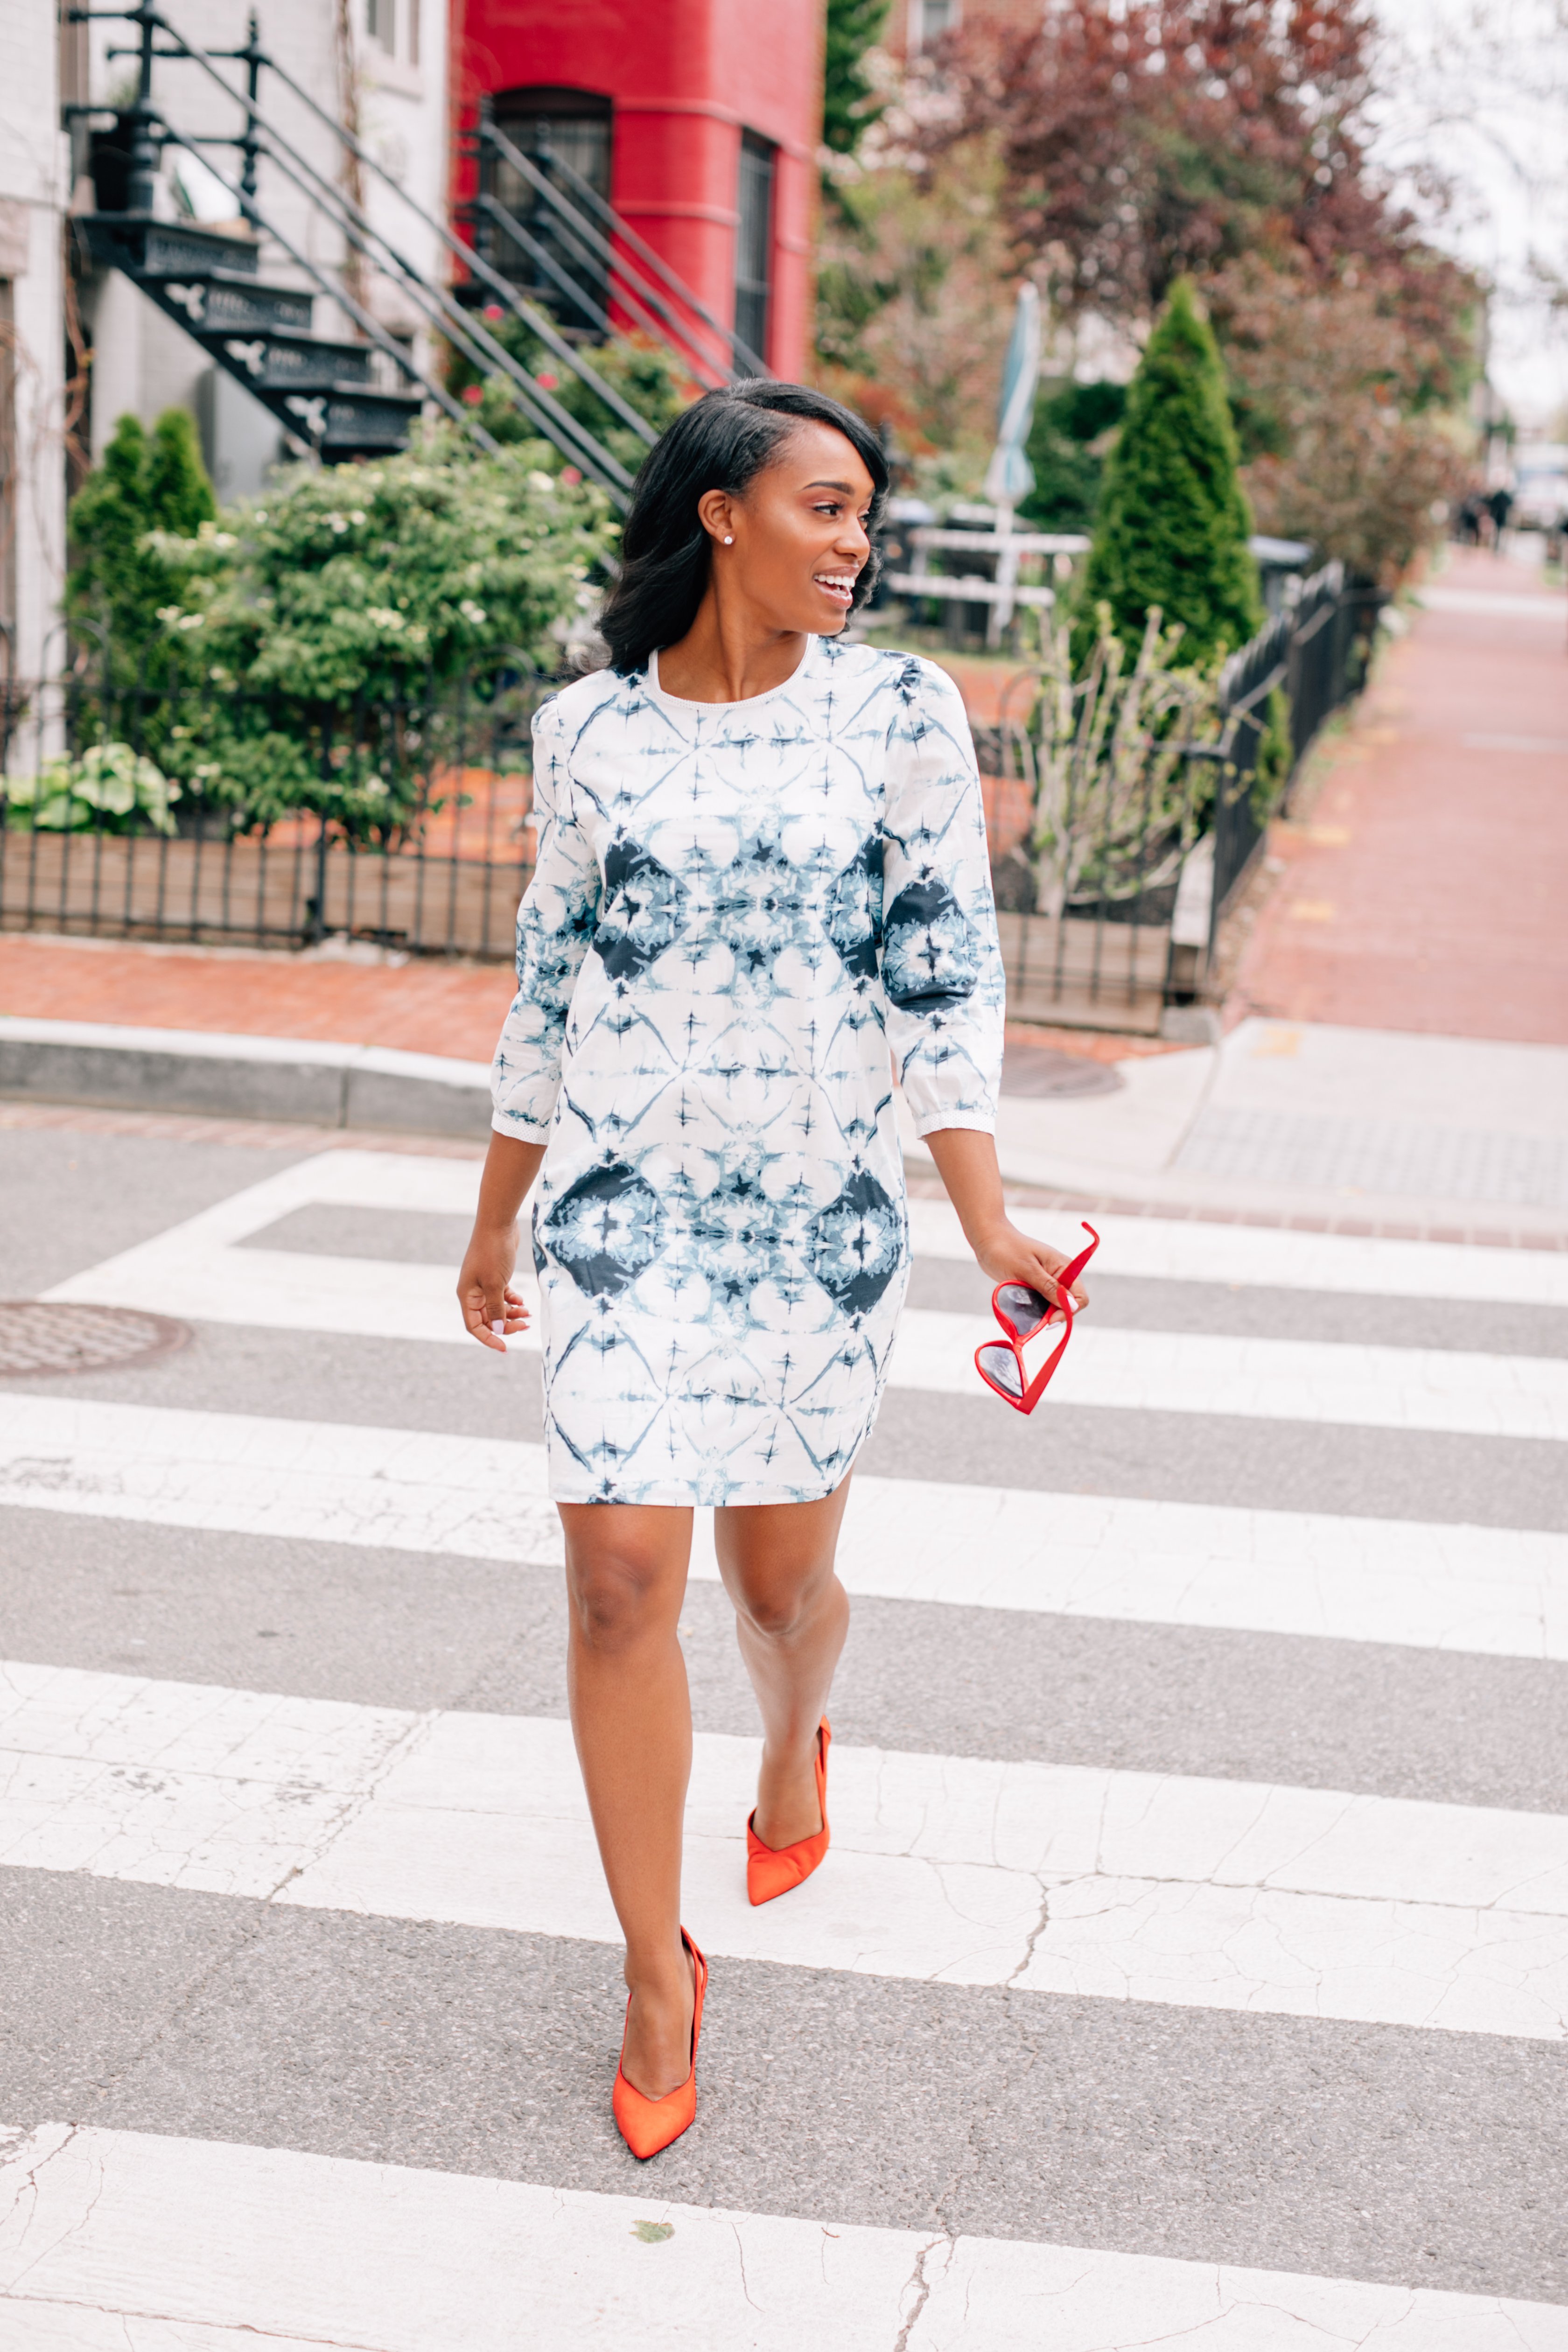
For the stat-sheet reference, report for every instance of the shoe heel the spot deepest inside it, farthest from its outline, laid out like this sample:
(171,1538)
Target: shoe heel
(774,1870)
(649,2125)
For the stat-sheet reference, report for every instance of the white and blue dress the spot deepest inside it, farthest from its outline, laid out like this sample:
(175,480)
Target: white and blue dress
(738,910)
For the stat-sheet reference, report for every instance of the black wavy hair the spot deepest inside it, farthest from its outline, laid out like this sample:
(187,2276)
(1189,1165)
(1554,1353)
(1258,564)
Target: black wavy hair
(721,443)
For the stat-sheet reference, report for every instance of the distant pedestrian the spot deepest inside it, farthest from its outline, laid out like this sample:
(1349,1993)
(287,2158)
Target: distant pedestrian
(1499,505)
(762,864)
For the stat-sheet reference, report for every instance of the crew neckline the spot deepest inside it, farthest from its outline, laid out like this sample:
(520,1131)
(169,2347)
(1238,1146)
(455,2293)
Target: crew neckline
(746,702)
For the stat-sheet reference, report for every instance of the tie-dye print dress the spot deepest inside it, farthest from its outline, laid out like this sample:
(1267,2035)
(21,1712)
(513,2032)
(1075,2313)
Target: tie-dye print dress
(740,915)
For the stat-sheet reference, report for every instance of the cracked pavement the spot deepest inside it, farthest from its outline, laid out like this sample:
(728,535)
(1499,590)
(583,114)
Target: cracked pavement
(1191,1964)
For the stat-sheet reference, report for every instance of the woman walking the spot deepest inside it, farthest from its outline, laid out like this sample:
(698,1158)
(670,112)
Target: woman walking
(761,876)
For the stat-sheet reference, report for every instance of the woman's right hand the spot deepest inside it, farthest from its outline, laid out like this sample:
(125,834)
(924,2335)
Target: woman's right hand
(492,1310)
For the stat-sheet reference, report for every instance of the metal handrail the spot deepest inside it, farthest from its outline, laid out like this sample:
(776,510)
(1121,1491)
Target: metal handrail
(534,319)
(591,244)
(645,252)
(480,347)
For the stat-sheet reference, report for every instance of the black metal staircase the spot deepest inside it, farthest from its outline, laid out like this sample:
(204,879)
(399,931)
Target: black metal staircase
(321,391)
(341,398)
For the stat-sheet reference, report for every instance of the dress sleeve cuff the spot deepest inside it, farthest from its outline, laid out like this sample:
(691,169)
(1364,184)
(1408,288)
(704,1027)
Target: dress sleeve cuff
(933,1122)
(522,1130)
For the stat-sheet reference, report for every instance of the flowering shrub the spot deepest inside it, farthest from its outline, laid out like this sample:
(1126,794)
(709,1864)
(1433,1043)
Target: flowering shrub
(322,629)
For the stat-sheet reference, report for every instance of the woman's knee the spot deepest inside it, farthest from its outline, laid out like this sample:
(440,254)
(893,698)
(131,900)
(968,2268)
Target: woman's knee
(781,1605)
(620,1598)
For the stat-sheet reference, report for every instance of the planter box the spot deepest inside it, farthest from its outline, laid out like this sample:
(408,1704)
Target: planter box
(254,892)
(1085,974)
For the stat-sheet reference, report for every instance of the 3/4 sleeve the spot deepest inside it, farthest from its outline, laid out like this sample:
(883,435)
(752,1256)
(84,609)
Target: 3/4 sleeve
(555,925)
(941,957)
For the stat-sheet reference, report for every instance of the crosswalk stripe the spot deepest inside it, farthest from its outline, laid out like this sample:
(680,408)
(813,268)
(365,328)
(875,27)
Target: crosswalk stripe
(99,2233)
(1173,1249)
(1164,1371)
(1214,1893)
(1274,1380)
(1500,1592)
(1276,1257)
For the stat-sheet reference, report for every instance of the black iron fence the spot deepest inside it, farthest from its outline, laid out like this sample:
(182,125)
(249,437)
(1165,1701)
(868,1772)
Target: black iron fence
(146,800)
(1304,666)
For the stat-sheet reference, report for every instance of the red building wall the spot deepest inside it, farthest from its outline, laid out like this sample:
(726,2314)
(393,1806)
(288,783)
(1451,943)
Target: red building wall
(685,78)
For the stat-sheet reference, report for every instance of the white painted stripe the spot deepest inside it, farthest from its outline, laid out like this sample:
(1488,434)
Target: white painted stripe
(197,1270)
(1172,1249)
(1213,1894)
(111,2240)
(1503,1591)
(1164,1371)
(1180,1250)
(1271,1379)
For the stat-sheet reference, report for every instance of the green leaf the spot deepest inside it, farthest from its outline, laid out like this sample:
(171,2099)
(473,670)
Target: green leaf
(653,2233)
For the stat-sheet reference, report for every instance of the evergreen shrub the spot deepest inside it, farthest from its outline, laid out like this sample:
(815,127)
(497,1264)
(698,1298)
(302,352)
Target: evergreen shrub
(118,583)
(1173,523)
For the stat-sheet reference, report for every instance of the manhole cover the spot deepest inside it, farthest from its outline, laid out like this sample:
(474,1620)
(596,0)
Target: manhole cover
(37,1338)
(1046,1070)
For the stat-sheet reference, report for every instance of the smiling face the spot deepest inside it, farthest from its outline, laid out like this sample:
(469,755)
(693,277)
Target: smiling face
(798,533)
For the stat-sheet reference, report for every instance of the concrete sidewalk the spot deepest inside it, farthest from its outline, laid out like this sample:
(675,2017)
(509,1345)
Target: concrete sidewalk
(1361,1131)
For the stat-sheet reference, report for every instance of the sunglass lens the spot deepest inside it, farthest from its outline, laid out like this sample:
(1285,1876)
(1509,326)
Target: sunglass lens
(1001,1366)
(1025,1308)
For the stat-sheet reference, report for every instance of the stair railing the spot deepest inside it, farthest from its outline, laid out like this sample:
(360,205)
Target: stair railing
(746,359)
(537,322)
(641,301)
(438,304)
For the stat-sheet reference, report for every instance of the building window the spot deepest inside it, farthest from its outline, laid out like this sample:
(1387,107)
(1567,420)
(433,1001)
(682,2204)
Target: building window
(381,23)
(570,127)
(930,19)
(753,245)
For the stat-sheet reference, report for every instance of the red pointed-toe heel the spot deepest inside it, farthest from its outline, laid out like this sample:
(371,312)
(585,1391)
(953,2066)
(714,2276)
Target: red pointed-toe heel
(771,1872)
(647,2125)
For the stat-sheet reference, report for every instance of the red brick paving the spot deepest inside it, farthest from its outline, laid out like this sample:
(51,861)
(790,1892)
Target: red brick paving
(1426,888)
(421,1007)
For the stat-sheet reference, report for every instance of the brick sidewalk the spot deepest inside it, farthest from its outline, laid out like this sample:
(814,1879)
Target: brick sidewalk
(422,1006)
(1424,887)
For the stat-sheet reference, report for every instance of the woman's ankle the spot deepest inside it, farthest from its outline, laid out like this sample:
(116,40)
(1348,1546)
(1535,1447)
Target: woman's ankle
(659,1972)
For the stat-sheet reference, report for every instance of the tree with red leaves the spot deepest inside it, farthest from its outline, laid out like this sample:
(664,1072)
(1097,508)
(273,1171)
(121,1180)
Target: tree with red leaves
(1161,139)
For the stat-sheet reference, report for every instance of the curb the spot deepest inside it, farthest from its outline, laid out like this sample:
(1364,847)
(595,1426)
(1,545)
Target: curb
(302,1080)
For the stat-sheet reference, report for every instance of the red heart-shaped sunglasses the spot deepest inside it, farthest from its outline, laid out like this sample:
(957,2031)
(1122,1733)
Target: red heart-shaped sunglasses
(1022,1311)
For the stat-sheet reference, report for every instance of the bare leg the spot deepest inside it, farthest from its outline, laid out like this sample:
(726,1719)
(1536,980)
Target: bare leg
(791,1617)
(631,1716)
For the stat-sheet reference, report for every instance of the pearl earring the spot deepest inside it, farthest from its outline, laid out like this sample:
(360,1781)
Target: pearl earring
(730,540)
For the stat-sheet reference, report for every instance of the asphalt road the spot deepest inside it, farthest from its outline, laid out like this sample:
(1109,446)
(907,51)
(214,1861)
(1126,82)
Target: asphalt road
(1328,2072)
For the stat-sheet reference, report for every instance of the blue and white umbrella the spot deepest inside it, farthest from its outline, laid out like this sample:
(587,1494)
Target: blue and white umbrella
(1010,477)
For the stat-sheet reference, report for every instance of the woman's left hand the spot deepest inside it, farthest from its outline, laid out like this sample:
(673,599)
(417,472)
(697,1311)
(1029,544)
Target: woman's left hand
(1007,1256)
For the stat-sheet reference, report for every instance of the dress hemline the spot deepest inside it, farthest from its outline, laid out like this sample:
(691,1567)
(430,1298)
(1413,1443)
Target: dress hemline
(674,1498)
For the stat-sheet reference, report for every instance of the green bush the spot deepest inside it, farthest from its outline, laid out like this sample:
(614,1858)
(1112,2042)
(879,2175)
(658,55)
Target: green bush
(1067,450)
(646,376)
(117,582)
(1173,525)
(1118,801)
(323,621)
